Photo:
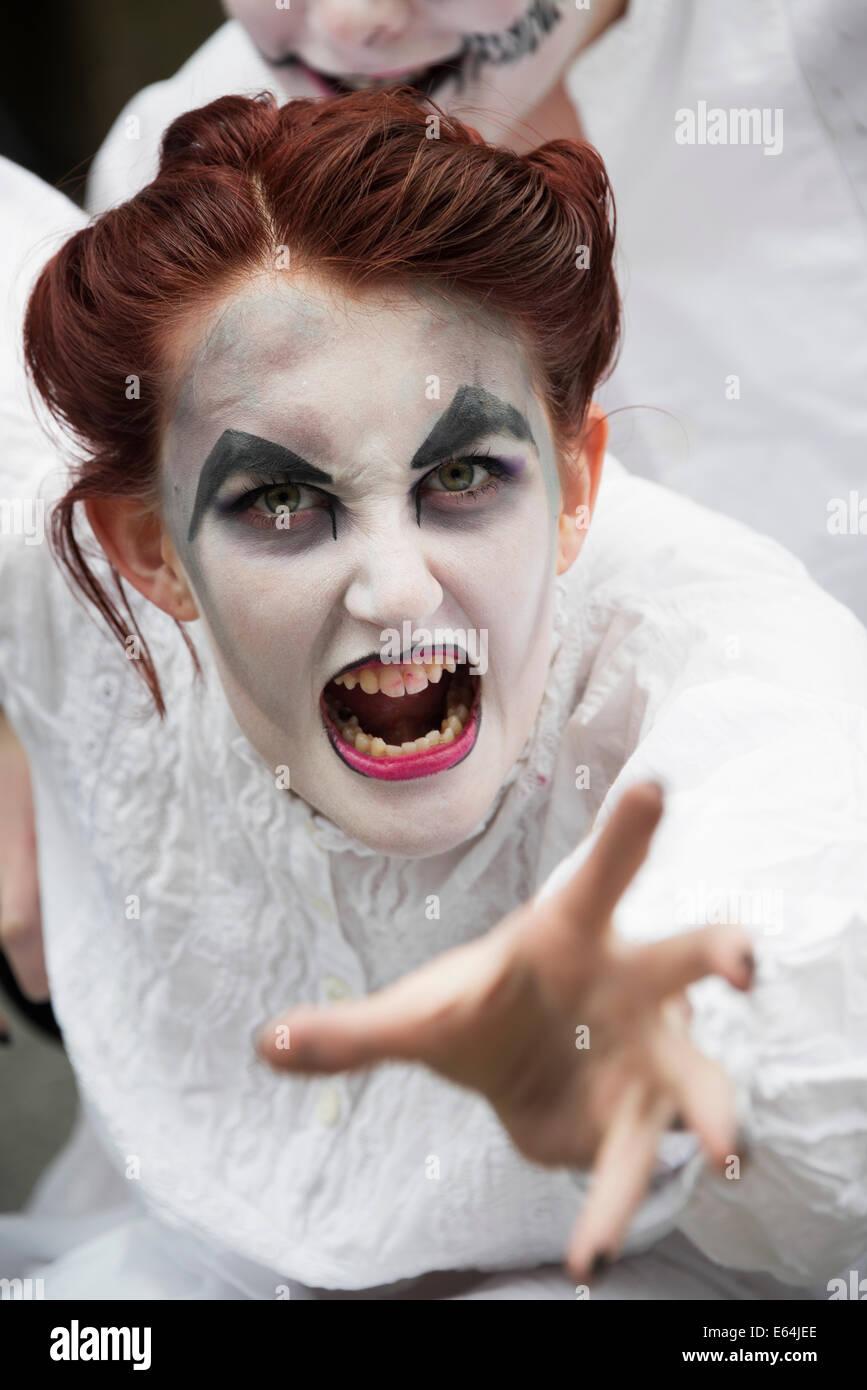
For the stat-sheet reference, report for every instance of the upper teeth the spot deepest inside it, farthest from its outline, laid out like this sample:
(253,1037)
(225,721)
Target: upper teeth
(459,699)
(395,680)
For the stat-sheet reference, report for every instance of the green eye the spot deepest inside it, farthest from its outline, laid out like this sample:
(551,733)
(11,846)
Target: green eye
(283,498)
(458,475)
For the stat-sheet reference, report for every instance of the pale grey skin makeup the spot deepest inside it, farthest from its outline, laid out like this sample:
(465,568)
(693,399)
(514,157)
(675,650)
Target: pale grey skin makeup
(499,57)
(347,384)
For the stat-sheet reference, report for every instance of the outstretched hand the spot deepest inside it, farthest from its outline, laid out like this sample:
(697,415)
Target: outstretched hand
(577,1039)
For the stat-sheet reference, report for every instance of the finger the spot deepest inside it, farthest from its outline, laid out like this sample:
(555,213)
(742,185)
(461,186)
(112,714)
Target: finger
(650,973)
(594,890)
(703,1093)
(342,1037)
(621,1173)
(406,1021)
(21,926)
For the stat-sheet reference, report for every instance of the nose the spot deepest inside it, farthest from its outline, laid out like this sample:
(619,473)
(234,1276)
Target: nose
(362,23)
(393,581)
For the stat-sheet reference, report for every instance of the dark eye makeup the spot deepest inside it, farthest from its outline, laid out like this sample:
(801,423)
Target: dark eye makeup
(263,483)
(471,478)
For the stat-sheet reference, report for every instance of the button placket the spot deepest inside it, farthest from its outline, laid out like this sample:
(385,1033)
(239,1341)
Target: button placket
(328,1105)
(338,970)
(335,989)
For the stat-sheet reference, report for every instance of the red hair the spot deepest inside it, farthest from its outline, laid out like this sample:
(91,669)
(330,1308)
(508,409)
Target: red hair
(370,189)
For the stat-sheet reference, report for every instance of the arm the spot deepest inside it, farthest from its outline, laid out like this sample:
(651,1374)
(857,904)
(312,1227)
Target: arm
(20,921)
(33,220)
(577,1040)
(773,837)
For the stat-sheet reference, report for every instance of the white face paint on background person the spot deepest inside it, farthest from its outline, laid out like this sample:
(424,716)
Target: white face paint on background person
(490,61)
(293,399)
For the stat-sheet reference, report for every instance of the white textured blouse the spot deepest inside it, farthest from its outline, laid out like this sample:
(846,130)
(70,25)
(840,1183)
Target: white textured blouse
(186,900)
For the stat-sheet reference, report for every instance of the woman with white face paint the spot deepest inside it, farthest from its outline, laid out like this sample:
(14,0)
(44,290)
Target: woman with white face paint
(497,62)
(332,398)
(738,275)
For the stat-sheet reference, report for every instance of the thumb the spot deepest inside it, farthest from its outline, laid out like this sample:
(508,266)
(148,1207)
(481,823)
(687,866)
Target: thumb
(395,1023)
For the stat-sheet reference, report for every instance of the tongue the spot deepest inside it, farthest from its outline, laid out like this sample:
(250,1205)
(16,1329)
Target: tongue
(400,720)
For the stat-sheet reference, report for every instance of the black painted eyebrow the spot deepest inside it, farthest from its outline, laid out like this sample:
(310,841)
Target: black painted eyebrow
(237,452)
(473,414)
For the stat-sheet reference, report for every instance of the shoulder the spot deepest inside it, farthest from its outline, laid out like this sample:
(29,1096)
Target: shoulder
(227,62)
(682,595)
(35,219)
(649,548)
(29,206)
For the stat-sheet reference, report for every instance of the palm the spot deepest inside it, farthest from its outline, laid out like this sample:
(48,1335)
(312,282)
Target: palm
(577,1040)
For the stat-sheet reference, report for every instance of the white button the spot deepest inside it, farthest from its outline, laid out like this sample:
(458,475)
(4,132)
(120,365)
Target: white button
(328,1106)
(323,908)
(336,988)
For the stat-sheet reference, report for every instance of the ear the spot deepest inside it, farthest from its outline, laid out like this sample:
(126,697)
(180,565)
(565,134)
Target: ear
(137,543)
(581,474)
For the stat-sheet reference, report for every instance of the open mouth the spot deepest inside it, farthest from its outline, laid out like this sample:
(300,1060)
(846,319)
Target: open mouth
(424,80)
(397,722)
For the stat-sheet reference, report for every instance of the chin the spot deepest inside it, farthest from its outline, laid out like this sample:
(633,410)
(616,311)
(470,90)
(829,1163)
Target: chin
(391,831)
(409,760)
(409,755)
(410,821)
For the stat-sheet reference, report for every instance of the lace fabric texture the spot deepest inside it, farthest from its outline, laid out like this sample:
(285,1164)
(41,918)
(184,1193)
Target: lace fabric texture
(186,901)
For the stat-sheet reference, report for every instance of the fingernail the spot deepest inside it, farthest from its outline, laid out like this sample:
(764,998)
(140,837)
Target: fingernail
(742,1151)
(743,1148)
(601,1261)
(748,961)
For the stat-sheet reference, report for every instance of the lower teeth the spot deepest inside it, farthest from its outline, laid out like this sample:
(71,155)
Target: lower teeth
(458,703)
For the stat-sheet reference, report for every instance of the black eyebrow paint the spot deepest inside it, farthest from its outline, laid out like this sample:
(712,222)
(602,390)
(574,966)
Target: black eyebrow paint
(473,414)
(238,452)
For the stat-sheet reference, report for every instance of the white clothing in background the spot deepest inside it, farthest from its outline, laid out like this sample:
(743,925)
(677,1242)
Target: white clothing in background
(120,1251)
(227,63)
(744,273)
